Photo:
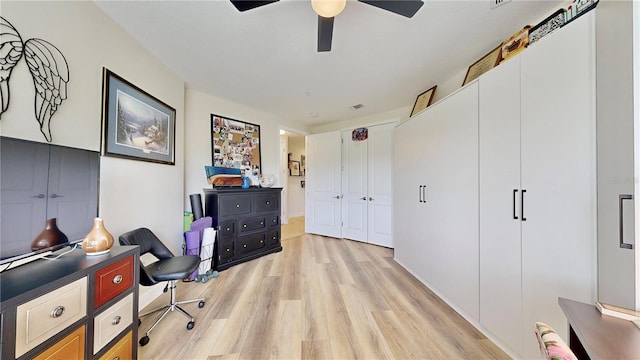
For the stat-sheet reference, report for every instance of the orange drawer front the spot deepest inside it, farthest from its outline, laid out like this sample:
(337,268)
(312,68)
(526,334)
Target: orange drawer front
(69,348)
(113,280)
(121,350)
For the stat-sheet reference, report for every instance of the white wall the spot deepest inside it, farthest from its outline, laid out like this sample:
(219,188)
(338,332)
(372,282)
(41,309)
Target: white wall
(295,196)
(199,107)
(132,193)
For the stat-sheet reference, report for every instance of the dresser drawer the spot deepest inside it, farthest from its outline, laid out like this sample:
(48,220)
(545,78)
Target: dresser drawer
(113,280)
(267,202)
(112,322)
(121,350)
(226,252)
(49,314)
(273,237)
(251,224)
(273,220)
(235,205)
(227,228)
(69,348)
(250,243)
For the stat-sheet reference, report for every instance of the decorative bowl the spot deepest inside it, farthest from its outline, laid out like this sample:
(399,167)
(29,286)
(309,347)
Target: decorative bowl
(267,180)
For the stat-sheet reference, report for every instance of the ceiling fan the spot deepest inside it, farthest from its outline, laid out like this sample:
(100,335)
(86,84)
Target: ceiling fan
(328,9)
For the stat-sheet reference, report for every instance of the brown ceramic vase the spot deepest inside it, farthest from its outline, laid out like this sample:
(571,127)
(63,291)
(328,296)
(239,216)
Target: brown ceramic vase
(98,240)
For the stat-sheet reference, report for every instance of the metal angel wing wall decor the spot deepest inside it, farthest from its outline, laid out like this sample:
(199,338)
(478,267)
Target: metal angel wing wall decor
(47,65)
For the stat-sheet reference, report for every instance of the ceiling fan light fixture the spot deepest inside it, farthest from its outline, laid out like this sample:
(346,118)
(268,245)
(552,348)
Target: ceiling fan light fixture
(328,8)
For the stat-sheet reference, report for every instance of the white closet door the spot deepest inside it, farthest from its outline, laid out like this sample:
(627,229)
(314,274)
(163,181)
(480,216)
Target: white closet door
(354,188)
(500,246)
(380,185)
(408,209)
(558,174)
(323,185)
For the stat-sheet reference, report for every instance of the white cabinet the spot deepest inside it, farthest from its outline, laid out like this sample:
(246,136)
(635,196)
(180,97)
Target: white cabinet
(436,198)
(618,270)
(367,186)
(537,186)
(559,174)
(500,211)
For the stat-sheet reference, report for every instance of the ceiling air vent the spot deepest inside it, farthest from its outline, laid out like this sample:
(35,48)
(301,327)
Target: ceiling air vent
(357,106)
(496,3)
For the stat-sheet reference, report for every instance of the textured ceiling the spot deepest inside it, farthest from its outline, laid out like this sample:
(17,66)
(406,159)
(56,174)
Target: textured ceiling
(266,58)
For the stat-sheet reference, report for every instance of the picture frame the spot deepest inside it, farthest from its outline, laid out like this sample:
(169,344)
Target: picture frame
(235,149)
(294,168)
(547,26)
(484,64)
(423,101)
(515,44)
(135,124)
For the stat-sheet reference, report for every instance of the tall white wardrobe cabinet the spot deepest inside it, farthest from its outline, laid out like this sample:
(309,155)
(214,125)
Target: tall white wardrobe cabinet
(508,221)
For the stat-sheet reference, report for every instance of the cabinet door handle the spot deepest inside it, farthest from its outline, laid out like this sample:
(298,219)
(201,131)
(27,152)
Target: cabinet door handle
(39,196)
(522,204)
(420,193)
(424,193)
(363,198)
(57,312)
(515,191)
(370,198)
(621,198)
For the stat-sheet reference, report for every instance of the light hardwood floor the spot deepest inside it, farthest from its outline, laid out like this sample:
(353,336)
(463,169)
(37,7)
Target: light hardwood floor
(320,298)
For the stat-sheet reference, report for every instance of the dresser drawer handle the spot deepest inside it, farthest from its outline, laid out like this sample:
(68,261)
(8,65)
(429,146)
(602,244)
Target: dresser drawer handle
(274,237)
(228,229)
(261,241)
(245,245)
(237,205)
(244,225)
(116,358)
(57,312)
(117,279)
(261,222)
(268,203)
(274,221)
(116,320)
(228,250)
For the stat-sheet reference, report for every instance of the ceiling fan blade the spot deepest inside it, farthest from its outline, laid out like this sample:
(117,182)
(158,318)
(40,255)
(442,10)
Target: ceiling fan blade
(406,8)
(244,5)
(325,33)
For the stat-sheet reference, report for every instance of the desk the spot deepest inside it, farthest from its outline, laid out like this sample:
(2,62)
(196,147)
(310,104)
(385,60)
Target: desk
(596,336)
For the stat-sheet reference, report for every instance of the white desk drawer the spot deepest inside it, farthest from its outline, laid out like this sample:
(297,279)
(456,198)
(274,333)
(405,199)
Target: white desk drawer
(47,315)
(112,322)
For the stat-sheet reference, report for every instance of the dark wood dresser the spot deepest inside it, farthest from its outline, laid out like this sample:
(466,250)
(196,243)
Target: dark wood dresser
(247,223)
(74,307)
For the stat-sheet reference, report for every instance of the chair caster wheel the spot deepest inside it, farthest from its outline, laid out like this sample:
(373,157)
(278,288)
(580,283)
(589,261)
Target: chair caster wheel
(201,304)
(190,326)
(144,340)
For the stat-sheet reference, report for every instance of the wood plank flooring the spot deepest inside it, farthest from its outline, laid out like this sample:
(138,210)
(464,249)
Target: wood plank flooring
(320,298)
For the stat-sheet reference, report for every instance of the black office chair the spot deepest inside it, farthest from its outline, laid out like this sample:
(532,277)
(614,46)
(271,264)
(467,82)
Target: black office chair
(168,268)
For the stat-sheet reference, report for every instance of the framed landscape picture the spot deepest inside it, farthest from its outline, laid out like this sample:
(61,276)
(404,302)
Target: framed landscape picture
(136,125)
